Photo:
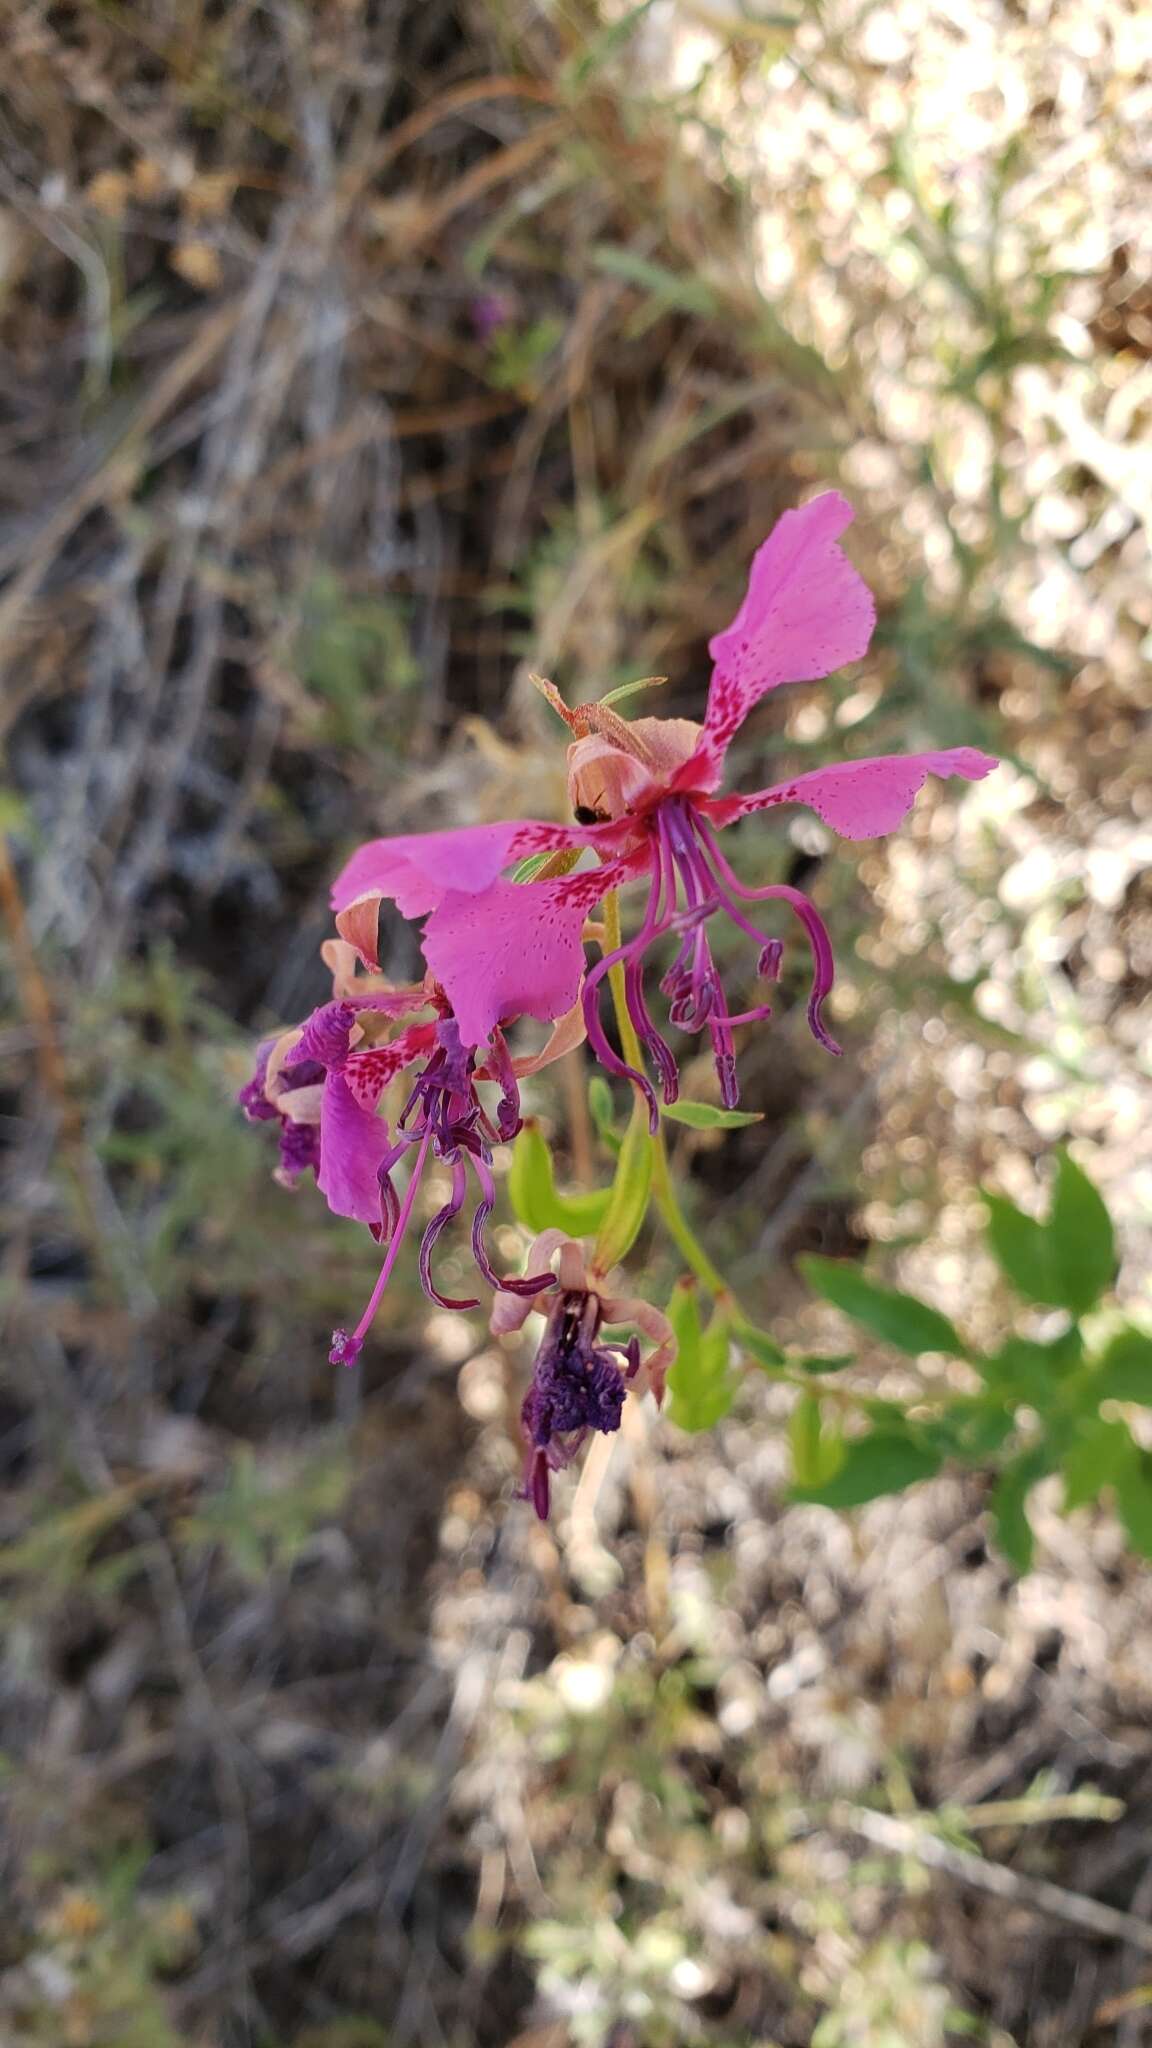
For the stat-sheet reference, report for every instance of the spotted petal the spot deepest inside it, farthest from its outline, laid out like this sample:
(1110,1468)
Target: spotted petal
(806,612)
(515,949)
(369,1069)
(353,1145)
(858,799)
(418,870)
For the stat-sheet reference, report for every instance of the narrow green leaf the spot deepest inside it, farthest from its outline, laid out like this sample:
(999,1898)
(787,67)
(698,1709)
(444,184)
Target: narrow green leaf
(690,294)
(1094,1459)
(971,1428)
(1125,1370)
(1008,1506)
(1133,1483)
(1023,1249)
(813,1363)
(1083,1241)
(533,1194)
(1028,1371)
(628,1198)
(900,1319)
(762,1347)
(704,1116)
(804,1437)
(883,1462)
(630,689)
(592,54)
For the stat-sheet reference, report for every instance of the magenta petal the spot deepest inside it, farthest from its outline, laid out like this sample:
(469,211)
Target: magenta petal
(806,612)
(417,870)
(859,799)
(353,1143)
(370,1068)
(516,949)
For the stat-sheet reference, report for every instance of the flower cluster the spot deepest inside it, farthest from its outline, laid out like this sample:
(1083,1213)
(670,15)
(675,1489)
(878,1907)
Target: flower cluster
(498,946)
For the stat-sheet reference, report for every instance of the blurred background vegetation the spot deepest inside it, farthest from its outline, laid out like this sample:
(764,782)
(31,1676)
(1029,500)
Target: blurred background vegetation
(357,357)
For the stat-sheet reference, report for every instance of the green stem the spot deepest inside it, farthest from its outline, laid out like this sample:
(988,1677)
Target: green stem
(666,1199)
(663,1193)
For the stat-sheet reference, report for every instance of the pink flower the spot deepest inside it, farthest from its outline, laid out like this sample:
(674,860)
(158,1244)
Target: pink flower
(643,794)
(323,1084)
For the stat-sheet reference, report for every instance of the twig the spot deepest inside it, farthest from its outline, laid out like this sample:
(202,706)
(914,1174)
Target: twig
(1036,1894)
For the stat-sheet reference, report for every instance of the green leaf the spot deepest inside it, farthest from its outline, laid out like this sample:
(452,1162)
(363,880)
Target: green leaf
(701,1388)
(1083,1241)
(1124,1373)
(689,293)
(533,1194)
(886,1461)
(1027,1371)
(763,1348)
(971,1428)
(1013,1529)
(814,1363)
(1023,1249)
(704,1116)
(628,1199)
(1067,1262)
(1094,1459)
(1133,1483)
(900,1319)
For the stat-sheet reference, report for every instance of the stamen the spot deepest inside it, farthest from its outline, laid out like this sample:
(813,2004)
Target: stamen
(346,1349)
(442,1218)
(823,962)
(661,1053)
(531,1283)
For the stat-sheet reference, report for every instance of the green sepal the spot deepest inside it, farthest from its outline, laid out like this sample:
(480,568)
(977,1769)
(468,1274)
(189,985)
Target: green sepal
(701,1387)
(533,1194)
(817,1449)
(627,1206)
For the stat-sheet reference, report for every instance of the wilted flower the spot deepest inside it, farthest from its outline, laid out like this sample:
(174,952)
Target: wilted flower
(642,794)
(579,1380)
